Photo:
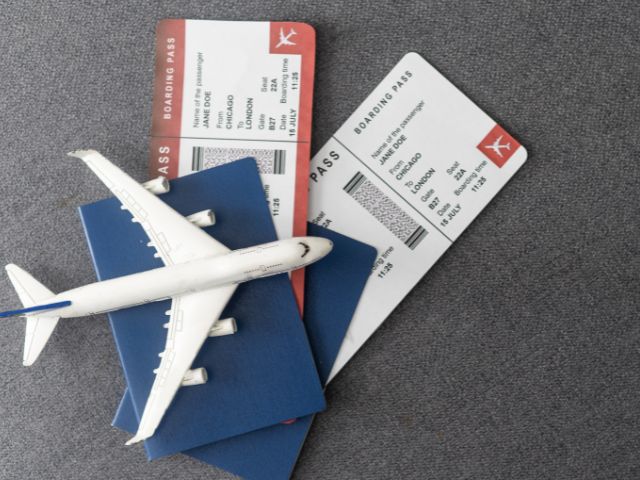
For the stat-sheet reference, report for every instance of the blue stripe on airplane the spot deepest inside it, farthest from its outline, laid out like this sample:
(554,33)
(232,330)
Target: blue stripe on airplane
(35,308)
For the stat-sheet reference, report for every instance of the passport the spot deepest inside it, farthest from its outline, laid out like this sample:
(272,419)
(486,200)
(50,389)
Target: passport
(333,288)
(263,374)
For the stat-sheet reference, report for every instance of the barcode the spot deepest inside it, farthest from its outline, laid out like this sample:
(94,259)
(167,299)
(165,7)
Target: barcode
(385,210)
(269,161)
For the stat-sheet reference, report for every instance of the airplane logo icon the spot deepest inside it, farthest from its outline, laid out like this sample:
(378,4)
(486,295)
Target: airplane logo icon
(284,39)
(497,146)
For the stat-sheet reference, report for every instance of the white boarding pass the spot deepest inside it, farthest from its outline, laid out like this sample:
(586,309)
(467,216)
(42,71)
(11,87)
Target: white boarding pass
(407,173)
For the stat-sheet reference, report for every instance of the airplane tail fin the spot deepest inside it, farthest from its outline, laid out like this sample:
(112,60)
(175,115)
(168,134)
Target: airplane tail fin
(32,293)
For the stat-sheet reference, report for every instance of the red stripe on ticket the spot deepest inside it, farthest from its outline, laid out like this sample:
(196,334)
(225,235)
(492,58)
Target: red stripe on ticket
(167,105)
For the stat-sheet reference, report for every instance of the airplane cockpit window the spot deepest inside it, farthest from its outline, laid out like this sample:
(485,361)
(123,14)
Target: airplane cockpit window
(306,248)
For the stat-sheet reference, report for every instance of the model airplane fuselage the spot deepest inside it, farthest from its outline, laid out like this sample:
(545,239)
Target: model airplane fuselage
(200,276)
(235,267)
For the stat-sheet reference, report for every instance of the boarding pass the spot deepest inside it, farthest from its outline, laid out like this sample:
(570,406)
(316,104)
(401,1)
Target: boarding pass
(228,90)
(407,173)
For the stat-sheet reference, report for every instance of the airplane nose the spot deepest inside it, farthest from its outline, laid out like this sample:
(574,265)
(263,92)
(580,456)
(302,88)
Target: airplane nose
(321,246)
(327,246)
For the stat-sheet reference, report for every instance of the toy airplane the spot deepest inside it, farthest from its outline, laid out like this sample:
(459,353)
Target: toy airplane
(200,276)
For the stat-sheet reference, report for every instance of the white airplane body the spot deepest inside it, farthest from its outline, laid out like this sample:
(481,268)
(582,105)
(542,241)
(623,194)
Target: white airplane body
(161,283)
(200,277)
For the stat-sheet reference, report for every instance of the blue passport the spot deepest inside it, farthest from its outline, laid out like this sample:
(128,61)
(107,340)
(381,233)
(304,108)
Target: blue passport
(332,290)
(263,374)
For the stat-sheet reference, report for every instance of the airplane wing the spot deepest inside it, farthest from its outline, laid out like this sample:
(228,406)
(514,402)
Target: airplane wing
(175,238)
(192,317)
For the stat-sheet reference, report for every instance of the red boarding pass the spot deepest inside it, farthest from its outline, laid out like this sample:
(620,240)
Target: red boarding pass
(229,90)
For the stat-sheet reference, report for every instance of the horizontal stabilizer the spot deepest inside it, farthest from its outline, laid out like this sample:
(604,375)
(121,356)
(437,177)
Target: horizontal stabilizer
(33,296)
(39,329)
(30,290)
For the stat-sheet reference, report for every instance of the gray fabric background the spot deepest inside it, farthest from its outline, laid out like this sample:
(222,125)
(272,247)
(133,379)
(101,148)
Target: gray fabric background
(517,356)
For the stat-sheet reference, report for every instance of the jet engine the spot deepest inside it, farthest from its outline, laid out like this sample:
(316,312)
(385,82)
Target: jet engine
(224,326)
(205,218)
(157,186)
(197,376)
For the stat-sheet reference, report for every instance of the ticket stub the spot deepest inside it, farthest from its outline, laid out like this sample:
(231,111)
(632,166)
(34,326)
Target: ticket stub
(407,173)
(229,90)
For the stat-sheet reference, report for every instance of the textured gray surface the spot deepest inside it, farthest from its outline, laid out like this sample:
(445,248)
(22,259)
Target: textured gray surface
(517,357)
